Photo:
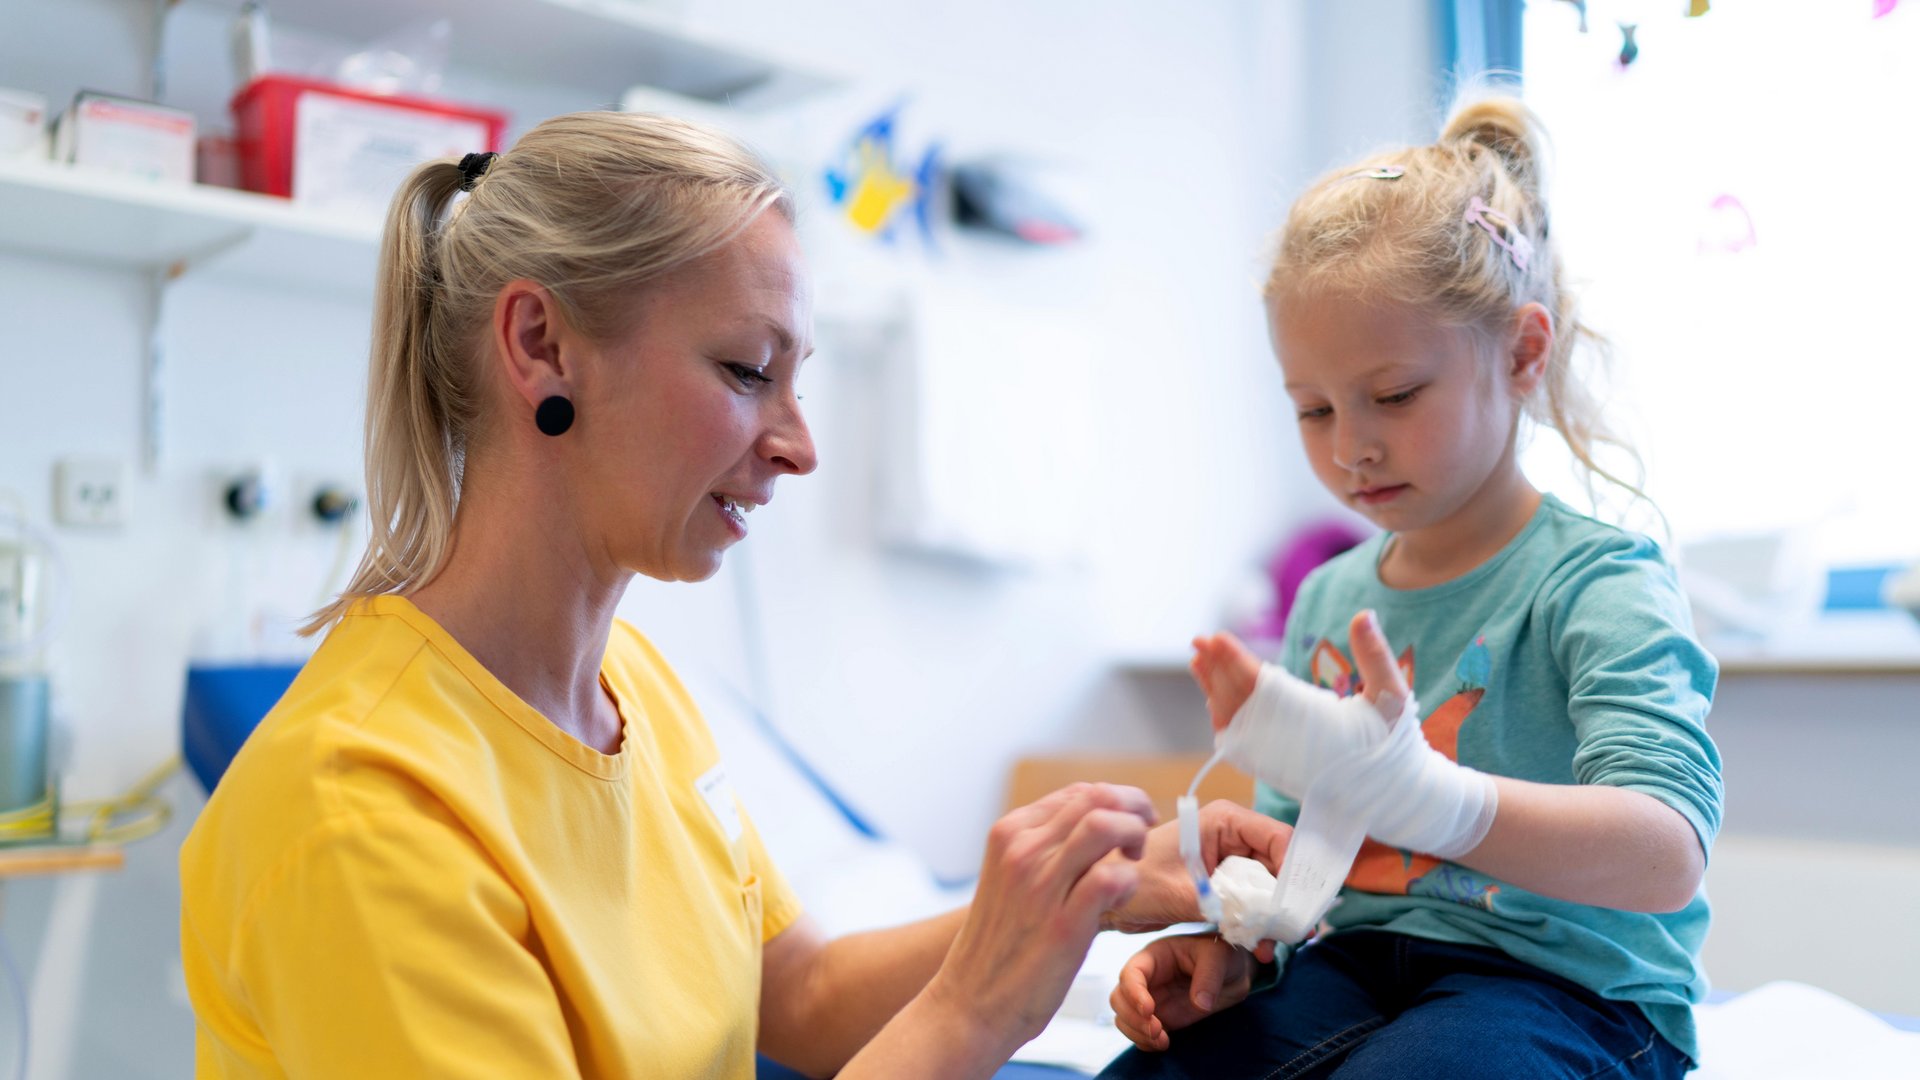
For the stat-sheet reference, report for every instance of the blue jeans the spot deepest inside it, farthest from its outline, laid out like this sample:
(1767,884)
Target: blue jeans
(769,1070)
(1372,1004)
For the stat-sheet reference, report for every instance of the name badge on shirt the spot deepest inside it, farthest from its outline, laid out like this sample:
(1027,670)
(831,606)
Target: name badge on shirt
(714,788)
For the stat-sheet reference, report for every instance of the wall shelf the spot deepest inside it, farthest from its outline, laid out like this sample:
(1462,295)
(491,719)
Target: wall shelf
(104,219)
(602,46)
(1882,642)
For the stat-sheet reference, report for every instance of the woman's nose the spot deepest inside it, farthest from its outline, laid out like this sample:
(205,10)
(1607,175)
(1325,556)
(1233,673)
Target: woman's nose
(790,446)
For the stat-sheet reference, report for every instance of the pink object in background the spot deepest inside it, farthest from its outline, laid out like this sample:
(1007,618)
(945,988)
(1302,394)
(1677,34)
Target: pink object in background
(1884,7)
(1729,227)
(1296,558)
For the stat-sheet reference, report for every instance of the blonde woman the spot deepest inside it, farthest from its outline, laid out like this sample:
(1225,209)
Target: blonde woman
(485,834)
(1529,901)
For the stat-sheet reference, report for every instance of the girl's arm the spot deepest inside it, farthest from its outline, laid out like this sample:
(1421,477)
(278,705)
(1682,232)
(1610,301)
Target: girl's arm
(1587,843)
(1591,844)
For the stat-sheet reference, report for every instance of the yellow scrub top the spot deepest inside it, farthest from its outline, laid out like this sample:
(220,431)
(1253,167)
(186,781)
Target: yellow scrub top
(409,872)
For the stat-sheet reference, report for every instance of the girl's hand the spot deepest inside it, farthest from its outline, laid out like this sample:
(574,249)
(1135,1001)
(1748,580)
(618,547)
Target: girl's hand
(1226,672)
(1381,679)
(1044,887)
(1175,982)
(1165,895)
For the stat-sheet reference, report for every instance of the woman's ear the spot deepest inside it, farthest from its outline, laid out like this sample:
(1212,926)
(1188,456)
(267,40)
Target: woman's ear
(1529,348)
(527,333)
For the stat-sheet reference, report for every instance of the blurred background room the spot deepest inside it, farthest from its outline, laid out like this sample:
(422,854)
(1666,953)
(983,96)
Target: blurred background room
(1054,442)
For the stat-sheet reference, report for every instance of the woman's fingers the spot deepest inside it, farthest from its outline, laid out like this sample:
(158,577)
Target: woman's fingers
(1099,831)
(1048,821)
(1380,673)
(1044,885)
(1227,828)
(1106,885)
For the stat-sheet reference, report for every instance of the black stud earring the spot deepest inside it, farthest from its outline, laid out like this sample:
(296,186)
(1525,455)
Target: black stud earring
(554,416)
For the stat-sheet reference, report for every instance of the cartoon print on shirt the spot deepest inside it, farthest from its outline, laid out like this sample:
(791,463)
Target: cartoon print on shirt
(1383,869)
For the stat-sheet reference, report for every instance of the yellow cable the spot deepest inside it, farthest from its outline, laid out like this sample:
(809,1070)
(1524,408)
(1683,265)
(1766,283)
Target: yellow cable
(151,814)
(28,822)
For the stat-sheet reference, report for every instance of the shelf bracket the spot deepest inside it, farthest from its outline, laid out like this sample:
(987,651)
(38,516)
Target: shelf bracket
(153,353)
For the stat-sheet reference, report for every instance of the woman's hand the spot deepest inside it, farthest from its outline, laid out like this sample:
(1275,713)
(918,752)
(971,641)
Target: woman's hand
(1045,884)
(1175,982)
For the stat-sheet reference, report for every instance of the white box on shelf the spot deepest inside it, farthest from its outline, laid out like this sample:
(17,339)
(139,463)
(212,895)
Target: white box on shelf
(127,136)
(23,124)
(350,156)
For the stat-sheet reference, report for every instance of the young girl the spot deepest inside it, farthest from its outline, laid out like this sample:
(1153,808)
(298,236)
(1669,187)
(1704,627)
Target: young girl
(1553,926)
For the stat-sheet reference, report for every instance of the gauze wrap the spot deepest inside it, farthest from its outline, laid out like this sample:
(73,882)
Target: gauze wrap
(1355,774)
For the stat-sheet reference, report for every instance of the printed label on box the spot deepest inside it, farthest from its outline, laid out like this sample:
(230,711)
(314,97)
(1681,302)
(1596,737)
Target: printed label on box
(351,155)
(151,142)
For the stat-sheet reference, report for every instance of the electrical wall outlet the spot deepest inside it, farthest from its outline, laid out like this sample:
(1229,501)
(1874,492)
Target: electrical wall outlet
(90,492)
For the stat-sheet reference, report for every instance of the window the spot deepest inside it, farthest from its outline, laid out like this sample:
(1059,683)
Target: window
(1740,207)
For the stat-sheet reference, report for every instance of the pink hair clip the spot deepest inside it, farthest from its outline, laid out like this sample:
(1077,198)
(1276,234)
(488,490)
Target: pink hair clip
(1501,228)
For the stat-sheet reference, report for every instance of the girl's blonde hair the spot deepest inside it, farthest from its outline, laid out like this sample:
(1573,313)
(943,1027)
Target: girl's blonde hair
(1396,227)
(592,206)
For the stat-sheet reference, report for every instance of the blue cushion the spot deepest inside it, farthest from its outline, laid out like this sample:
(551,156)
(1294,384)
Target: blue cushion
(223,704)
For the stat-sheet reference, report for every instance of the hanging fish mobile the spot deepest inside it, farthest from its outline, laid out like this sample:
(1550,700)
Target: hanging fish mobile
(1629,48)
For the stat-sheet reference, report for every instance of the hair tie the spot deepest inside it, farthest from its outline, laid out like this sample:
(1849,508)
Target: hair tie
(1501,228)
(473,167)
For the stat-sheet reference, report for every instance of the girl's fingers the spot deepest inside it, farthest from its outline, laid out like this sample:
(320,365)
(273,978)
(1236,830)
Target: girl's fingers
(1386,687)
(1132,1002)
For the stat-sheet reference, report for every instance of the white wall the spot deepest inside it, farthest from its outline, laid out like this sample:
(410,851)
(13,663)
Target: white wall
(913,682)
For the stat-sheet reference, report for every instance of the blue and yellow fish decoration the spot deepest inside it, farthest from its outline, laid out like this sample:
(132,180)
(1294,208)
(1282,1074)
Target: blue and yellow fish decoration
(1629,48)
(873,189)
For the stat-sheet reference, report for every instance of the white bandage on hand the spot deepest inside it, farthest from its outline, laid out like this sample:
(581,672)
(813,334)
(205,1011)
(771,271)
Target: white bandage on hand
(1406,794)
(1296,737)
(1288,731)
(1356,774)
(1244,889)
